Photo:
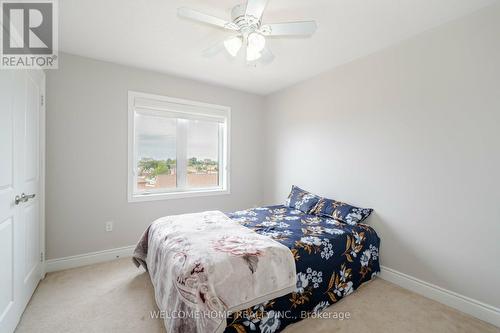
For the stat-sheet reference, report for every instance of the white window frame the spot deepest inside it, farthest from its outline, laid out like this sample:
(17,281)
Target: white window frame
(159,103)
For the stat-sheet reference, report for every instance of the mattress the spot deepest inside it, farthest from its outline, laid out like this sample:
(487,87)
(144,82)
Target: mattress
(332,260)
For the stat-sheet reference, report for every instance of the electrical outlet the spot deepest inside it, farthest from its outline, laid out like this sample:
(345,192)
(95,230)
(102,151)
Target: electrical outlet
(109,226)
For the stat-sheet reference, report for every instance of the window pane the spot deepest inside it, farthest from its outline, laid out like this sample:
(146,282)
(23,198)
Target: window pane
(202,154)
(155,139)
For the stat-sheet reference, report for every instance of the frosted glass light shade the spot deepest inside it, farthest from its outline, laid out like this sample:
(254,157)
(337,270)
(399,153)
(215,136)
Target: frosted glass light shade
(256,41)
(233,45)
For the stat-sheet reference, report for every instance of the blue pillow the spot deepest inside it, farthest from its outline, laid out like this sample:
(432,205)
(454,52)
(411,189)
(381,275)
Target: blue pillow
(341,211)
(301,200)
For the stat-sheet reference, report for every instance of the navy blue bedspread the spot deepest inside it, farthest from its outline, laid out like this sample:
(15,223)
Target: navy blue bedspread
(332,260)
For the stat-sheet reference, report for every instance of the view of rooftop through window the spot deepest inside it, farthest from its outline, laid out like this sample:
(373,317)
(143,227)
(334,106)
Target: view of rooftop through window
(156,139)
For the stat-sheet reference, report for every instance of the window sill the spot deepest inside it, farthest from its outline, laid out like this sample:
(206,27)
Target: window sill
(175,195)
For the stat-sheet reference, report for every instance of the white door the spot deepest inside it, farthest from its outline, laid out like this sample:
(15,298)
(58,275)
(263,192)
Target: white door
(21,94)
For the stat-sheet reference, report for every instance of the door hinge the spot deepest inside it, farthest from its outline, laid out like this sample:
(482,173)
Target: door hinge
(41,256)
(42,100)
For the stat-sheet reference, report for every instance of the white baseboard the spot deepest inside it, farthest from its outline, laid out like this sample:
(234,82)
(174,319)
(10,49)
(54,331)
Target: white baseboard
(462,303)
(60,264)
(452,299)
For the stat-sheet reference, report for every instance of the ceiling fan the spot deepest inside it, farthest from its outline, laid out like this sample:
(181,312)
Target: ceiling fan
(250,33)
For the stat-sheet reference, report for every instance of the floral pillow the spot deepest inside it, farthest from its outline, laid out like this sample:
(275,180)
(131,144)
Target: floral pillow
(301,200)
(341,211)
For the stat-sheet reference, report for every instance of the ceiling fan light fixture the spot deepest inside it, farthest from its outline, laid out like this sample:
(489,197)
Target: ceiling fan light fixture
(253,54)
(233,45)
(256,41)
(248,30)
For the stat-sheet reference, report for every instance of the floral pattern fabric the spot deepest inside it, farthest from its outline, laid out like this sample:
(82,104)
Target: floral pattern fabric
(301,200)
(332,260)
(341,211)
(205,263)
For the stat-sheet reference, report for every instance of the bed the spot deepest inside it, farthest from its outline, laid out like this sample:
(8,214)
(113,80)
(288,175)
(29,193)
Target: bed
(332,260)
(278,266)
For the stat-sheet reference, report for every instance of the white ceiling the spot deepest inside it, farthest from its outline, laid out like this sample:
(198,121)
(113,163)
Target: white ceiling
(148,34)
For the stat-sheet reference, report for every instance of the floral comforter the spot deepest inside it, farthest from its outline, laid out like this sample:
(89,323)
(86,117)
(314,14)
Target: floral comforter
(205,265)
(332,259)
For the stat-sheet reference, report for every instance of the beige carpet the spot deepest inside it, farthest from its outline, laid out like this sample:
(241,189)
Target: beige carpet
(117,297)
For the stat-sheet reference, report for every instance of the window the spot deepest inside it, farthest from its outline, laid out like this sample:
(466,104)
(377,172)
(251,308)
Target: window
(177,148)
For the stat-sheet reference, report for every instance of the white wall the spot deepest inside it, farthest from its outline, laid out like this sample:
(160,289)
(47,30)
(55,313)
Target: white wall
(412,131)
(87,154)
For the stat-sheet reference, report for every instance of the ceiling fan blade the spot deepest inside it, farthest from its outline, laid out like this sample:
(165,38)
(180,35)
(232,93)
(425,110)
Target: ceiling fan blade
(267,56)
(256,8)
(214,49)
(205,18)
(305,28)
